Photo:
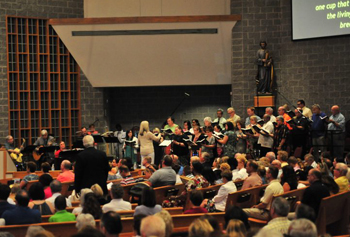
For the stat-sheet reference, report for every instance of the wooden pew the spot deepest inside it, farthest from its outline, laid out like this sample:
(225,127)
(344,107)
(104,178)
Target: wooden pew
(21,174)
(239,184)
(65,186)
(184,179)
(127,188)
(213,189)
(64,229)
(70,209)
(137,172)
(333,214)
(292,197)
(164,192)
(245,198)
(30,183)
(124,214)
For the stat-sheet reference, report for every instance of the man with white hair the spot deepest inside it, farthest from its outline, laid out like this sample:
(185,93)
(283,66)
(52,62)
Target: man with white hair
(233,116)
(302,228)
(269,111)
(152,226)
(84,220)
(336,124)
(44,139)
(271,155)
(91,167)
(207,121)
(279,212)
(340,172)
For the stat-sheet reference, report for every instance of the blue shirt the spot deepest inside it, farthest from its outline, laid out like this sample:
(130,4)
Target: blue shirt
(4,205)
(21,215)
(318,127)
(338,118)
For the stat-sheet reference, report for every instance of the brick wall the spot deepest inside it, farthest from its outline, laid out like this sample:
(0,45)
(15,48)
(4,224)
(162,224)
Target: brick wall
(314,70)
(91,98)
(129,106)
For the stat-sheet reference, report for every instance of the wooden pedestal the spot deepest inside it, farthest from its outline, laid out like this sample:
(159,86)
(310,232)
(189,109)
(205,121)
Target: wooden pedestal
(264,101)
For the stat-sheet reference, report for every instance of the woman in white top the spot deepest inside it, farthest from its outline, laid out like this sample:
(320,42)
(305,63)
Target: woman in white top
(146,139)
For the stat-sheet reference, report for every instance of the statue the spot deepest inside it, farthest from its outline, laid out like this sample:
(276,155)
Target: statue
(264,77)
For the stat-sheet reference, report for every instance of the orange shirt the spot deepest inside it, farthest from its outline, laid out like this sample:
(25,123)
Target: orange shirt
(286,117)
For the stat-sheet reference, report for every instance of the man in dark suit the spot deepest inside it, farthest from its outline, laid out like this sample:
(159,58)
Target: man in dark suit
(91,167)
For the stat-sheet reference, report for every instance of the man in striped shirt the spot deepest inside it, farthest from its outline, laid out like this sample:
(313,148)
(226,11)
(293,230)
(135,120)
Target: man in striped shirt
(125,173)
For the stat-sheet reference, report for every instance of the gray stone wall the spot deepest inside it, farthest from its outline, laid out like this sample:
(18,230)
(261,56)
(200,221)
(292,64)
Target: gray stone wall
(91,99)
(315,70)
(129,106)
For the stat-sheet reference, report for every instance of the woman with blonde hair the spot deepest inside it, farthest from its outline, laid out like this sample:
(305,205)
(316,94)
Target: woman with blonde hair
(236,228)
(97,190)
(200,227)
(146,139)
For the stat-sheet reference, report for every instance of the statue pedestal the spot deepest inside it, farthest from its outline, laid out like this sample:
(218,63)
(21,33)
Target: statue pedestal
(264,101)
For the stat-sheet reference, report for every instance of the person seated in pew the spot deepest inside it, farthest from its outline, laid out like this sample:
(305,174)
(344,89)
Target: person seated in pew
(176,168)
(261,211)
(289,179)
(279,212)
(148,203)
(137,224)
(14,190)
(98,192)
(315,192)
(56,188)
(83,192)
(31,168)
(253,179)
(45,168)
(92,206)
(4,195)
(164,176)
(117,203)
(236,213)
(196,198)
(305,211)
(198,182)
(168,220)
(45,180)
(125,173)
(38,202)
(88,231)
(152,226)
(111,224)
(67,175)
(236,228)
(240,172)
(61,214)
(187,172)
(200,227)
(84,221)
(218,203)
(112,174)
(340,172)
(33,230)
(22,214)
(302,227)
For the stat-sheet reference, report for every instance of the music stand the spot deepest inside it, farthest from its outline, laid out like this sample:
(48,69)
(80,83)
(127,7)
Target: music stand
(69,155)
(98,138)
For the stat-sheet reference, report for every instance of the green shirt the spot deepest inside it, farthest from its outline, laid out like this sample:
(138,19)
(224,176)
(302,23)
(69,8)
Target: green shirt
(62,216)
(171,128)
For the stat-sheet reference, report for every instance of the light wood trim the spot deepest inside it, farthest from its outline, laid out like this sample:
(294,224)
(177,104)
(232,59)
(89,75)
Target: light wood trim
(154,19)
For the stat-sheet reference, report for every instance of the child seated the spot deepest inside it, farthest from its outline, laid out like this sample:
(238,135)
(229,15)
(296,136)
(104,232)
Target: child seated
(61,214)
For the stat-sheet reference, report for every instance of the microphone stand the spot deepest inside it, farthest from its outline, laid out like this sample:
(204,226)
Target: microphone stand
(285,98)
(185,97)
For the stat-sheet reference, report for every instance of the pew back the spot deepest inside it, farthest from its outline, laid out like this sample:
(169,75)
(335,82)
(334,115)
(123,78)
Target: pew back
(333,214)
(245,198)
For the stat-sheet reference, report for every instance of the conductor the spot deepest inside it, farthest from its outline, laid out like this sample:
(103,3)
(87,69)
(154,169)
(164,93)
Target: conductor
(91,167)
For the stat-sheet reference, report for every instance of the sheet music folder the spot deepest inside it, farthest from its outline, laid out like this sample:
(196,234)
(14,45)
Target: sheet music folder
(29,149)
(111,139)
